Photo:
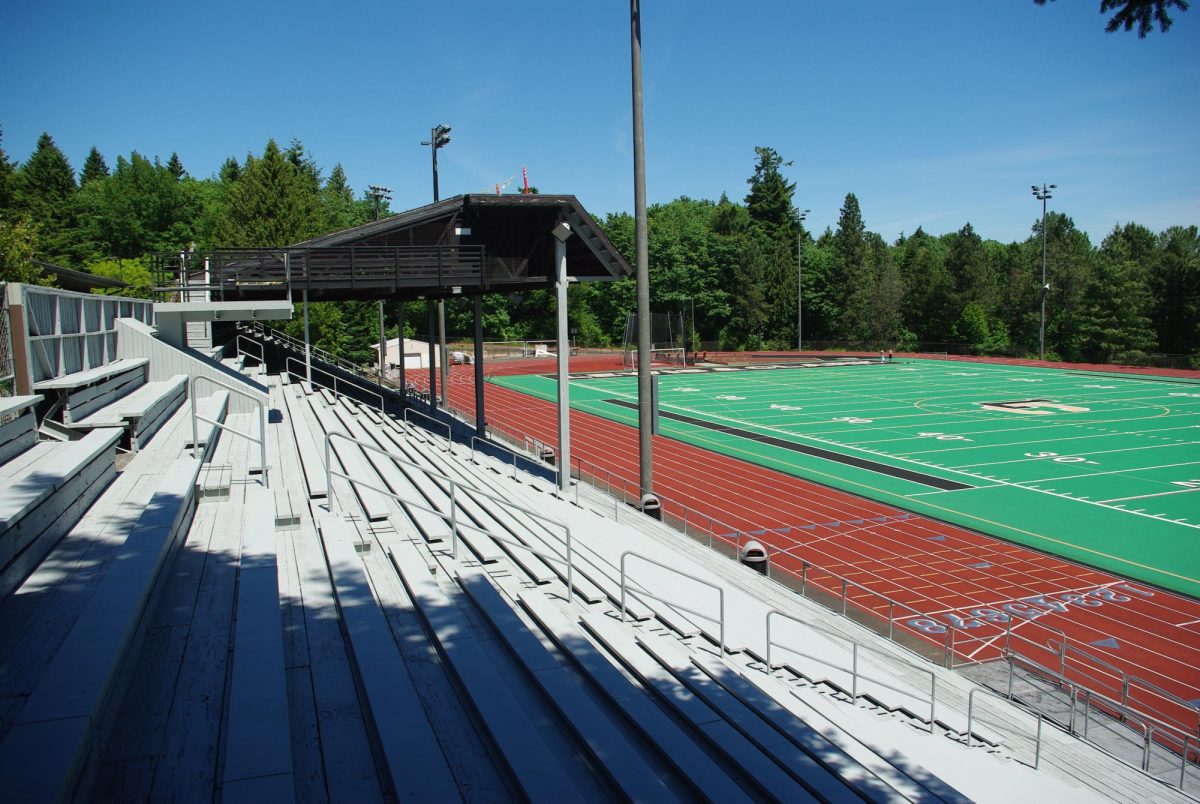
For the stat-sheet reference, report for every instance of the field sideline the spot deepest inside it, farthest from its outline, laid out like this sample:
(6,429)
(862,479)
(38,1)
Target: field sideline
(1102,468)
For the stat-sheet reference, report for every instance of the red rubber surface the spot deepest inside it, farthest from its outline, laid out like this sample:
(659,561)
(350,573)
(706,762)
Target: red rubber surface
(917,562)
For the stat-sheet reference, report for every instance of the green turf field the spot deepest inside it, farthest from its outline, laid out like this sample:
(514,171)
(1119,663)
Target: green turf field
(1103,468)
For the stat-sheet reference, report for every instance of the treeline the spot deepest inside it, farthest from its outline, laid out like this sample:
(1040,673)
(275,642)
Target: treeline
(730,268)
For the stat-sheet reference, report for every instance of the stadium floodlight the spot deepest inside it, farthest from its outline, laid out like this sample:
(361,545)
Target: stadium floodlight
(439,137)
(801,216)
(378,195)
(1043,194)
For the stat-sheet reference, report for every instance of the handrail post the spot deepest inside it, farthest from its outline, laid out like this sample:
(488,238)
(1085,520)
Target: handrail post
(970,714)
(262,444)
(453,522)
(854,671)
(721,607)
(891,617)
(932,701)
(770,667)
(195,429)
(843,597)
(570,568)
(328,471)
(1037,747)
(623,555)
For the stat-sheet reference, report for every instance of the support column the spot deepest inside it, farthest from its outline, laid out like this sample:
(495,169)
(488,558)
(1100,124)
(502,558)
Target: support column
(432,309)
(400,346)
(561,232)
(307,343)
(382,347)
(480,418)
(441,308)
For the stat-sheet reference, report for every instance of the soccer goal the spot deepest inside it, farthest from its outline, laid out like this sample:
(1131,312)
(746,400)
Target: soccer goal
(667,341)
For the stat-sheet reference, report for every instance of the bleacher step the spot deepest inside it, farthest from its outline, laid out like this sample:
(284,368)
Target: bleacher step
(413,757)
(521,740)
(611,747)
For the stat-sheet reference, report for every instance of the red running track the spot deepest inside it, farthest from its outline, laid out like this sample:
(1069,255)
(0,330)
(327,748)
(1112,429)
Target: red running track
(953,576)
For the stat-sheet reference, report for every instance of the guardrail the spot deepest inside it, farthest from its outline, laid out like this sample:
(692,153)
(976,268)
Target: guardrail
(262,421)
(1037,745)
(720,592)
(853,669)
(515,456)
(1150,730)
(454,487)
(334,387)
(260,357)
(439,422)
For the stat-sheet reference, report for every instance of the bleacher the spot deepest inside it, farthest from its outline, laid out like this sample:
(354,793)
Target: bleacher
(414,622)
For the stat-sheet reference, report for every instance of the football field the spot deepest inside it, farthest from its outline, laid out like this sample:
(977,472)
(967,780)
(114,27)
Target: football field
(1103,468)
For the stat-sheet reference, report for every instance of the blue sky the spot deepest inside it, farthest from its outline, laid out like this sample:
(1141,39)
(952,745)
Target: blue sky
(934,113)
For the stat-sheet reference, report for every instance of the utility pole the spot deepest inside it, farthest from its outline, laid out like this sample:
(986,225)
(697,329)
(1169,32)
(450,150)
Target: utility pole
(1043,194)
(801,216)
(378,196)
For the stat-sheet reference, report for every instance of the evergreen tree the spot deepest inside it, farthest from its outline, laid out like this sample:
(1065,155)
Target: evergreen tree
(1175,280)
(304,163)
(45,191)
(175,167)
(769,201)
(1068,272)
(8,174)
(850,251)
(967,263)
(230,171)
(1142,13)
(139,209)
(337,201)
(272,204)
(747,323)
(94,168)
(1116,323)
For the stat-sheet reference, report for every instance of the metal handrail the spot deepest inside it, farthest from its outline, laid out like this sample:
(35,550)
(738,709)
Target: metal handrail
(260,357)
(451,518)
(1128,680)
(643,593)
(1147,724)
(449,429)
(738,535)
(1037,746)
(515,455)
(262,421)
(302,378)
(853,669)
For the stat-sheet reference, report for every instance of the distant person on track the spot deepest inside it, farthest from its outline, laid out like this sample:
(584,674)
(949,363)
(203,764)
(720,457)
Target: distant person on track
(889,356)
(881,356)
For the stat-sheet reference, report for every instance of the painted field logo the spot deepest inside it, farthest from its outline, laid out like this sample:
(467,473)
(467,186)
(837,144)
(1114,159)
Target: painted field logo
(1033,407)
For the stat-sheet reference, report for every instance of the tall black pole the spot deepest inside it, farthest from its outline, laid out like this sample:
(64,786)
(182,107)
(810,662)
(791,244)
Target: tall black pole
(480,418)
(645,454)
(1042,194)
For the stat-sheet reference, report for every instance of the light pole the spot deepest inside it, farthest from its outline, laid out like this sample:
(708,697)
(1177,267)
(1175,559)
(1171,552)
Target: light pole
(378,194)
(1043,194)
(801,216)
(439,137)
